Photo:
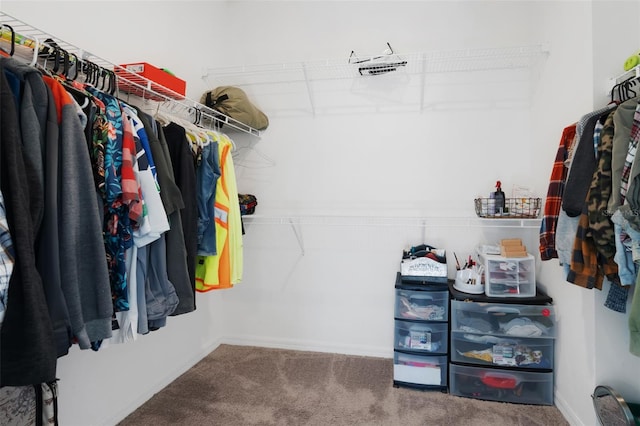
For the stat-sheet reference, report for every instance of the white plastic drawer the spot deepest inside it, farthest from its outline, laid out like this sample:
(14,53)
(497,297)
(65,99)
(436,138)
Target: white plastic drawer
(422,305)
(502,319)
(420,370)
(502,351)
(510,277)
(497,384)
(421,336)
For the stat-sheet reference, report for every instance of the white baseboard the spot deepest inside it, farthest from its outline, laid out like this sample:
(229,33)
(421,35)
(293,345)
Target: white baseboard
(567,412)
(309,345)
(164,381)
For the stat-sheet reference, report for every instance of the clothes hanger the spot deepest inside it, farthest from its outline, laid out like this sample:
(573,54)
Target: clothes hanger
(56,61)
(36,50)
(629,92)
(66,64)
(113,83)
(13,39)
(613,94)
(76,65)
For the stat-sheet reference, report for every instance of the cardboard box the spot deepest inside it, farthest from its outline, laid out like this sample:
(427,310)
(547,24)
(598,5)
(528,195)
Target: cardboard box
(514,251)
(512,248)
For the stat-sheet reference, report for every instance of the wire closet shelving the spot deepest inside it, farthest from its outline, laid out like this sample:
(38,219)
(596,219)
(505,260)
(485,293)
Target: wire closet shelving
(26,42)
(313,85)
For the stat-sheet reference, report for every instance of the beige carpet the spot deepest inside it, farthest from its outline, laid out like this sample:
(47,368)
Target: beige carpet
(240,385)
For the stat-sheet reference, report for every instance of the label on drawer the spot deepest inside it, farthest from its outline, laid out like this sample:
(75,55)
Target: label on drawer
(421,340)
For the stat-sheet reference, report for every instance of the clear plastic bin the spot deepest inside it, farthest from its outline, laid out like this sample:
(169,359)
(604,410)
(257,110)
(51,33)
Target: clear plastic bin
(422,305)
(510,276)
(503,319)
(495,384)
(420,370)
(502,352)
(421,336)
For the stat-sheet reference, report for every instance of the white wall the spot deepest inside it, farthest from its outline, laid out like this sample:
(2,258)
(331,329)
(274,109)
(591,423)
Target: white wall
(327,284)
(565,93)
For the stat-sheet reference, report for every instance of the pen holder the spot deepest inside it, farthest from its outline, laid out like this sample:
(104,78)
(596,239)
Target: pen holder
(468,280)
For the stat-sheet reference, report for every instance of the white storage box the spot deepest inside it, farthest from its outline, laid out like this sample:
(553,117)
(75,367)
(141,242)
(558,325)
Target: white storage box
(420,370)
(498,384)
(421,336)
(423,268)
(510,277)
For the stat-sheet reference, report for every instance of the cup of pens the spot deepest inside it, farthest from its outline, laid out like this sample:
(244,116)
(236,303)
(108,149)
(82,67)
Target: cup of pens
(469,278)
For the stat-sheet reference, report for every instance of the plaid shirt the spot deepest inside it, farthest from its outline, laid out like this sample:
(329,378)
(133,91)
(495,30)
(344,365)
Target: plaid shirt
(588,266)
(7,258)
(631,154)
(553,201)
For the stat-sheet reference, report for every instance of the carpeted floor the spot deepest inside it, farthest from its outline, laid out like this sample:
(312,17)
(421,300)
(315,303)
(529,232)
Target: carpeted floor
(241,385)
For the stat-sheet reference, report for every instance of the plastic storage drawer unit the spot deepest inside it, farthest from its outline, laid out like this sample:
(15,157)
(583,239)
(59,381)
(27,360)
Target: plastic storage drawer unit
(422,305)
(510,277)
(421,336)
(495,384)
(509,320)
(534,353)
(410,369)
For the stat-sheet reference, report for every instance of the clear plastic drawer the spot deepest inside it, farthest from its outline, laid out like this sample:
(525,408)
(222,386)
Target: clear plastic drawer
(421,336)
(501,319)
(420,370)
(510,277)
(502,351)
(497,384)
(422,305)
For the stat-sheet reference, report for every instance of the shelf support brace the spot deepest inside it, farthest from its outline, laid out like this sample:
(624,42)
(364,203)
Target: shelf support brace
(423,77)
(298,235)
(309,92)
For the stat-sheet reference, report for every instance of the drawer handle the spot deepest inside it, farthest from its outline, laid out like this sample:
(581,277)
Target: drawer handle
(503,310)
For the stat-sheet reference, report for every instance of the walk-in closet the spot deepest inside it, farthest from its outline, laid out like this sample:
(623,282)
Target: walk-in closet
(386,120)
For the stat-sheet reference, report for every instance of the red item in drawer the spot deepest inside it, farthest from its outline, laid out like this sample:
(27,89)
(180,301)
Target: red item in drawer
(151,78)
(499,380)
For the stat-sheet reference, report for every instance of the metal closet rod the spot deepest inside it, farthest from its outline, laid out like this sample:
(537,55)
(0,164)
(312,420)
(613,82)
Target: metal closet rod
(26,36)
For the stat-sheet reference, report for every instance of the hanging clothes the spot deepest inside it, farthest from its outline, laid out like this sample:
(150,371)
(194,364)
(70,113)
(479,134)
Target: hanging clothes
(554,194)
(84,283)
(27,352)
(184,171)
(173,203)
(109,249)
(219,271)
(39,124)
(592,257)
(581,167)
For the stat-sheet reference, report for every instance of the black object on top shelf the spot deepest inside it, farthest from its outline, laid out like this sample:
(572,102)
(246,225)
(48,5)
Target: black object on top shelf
(420,285)
(540,298)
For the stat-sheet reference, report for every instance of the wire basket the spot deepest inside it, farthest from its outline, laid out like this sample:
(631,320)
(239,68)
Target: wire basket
(514,208)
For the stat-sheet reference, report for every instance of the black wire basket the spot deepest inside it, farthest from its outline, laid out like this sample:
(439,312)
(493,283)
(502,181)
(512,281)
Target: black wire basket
(514,208)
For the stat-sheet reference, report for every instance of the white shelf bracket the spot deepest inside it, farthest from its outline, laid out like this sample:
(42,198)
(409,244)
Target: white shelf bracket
(298,234)
(309,91)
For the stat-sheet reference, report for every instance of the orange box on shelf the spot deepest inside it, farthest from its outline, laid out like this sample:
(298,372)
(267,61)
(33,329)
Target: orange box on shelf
(149,77)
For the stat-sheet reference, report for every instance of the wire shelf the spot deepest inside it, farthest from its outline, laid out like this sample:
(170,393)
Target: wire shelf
(28,40)
(461,60)
(515,208)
